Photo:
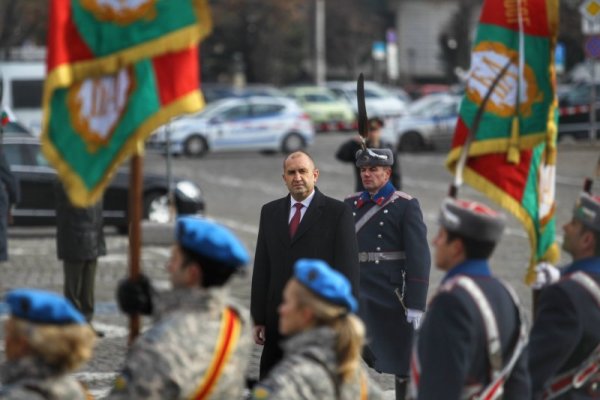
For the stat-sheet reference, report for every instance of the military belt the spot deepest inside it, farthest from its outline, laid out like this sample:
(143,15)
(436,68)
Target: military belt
(381,256)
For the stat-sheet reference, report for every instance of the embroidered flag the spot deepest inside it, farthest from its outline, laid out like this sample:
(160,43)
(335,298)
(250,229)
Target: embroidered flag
(101,100)
(512,156)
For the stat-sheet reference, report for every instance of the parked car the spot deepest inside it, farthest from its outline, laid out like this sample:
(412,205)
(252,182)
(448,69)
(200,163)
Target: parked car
(327,112)
(379,102)
(429,125)
(259,123)
(37,205)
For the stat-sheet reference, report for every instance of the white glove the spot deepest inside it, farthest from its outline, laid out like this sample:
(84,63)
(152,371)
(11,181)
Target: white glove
(545,274)
(414,317)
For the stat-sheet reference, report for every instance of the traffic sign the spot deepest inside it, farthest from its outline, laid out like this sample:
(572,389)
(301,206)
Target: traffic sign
(592,47)
(590,21)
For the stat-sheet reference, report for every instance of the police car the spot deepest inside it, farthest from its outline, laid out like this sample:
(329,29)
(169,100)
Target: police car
(251,123)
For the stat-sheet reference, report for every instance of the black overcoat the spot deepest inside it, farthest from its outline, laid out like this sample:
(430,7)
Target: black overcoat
(325,232)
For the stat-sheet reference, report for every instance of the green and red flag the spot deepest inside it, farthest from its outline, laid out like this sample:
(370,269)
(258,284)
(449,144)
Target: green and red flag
(116,71)
(512,155)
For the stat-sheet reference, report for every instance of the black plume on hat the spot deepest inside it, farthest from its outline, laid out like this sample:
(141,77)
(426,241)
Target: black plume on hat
(472,220)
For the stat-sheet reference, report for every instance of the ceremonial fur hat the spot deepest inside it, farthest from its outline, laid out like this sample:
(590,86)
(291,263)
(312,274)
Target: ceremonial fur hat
(472,220)
(42,307)
(376,123)
(211,240)
(587,210)
(325,282)
(374,157)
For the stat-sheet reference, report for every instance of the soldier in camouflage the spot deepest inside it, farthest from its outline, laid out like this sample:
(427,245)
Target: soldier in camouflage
(199,345)
(322,356)
(45,339)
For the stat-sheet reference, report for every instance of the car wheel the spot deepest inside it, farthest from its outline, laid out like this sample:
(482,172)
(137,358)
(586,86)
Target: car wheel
(412,142)
(292,142)
(195,146)
(156,207)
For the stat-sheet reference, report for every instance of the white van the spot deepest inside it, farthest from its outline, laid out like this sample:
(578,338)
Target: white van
(23,83)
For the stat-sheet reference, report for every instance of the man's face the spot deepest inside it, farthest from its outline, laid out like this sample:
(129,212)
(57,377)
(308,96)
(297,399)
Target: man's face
(374,134)
(374,178)
(179,274)
(300,175)
(572,238)
(444,250)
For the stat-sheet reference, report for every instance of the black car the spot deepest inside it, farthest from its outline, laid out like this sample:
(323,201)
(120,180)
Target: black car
(37,205)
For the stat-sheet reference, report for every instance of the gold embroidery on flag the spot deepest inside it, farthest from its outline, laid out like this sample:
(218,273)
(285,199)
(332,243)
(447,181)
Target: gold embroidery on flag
(487,60)
(121,12)
(97,105)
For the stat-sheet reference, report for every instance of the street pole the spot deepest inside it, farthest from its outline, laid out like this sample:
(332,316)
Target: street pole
(592,63)
(320,64)
(170,195)
(135,231)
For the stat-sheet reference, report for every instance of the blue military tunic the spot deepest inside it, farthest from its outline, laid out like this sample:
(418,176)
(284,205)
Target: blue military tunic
(566,330)
(451,350)
(395,232)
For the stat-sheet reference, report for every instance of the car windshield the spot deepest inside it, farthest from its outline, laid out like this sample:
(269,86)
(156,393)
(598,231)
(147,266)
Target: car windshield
(319,98)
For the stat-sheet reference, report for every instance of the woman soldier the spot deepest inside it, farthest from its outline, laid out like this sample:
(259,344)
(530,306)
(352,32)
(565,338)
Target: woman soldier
(46,338)
(322,353)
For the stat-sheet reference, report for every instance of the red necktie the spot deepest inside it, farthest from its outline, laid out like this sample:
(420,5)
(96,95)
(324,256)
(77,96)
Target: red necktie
(295,219)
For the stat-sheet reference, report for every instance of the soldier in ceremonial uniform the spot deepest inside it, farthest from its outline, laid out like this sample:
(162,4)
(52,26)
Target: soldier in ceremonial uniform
(473,336)
(199,345)
(46,339)
(322,352)
(394,264)
(565,338)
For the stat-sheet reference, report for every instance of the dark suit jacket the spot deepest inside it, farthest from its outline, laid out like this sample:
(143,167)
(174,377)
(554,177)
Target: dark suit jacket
(325,232)
(565,331)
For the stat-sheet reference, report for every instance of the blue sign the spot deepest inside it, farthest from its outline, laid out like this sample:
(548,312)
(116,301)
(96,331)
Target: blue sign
(560,57)
(592,46)
(378,50)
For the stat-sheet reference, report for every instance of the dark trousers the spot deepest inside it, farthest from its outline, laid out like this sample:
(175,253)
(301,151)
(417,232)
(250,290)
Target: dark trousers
(79,281)
(271,354)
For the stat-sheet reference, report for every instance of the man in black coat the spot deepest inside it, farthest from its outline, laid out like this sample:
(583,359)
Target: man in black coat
(473,336)
(304,224)
(348,149)
(79,243)
(565,338)
(394,265)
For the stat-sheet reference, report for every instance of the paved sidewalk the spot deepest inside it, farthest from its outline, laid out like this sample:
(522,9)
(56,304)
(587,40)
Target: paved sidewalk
(33,263)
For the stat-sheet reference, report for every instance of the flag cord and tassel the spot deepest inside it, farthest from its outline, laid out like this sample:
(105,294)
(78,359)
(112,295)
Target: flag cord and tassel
(514,153)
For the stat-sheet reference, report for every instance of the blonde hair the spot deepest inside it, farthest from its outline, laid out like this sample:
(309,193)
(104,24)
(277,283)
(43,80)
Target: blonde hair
(64,347)
(349,328)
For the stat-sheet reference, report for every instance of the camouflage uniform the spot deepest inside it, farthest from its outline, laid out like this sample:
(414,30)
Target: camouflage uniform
(308,370)
(171,358)
(31,379)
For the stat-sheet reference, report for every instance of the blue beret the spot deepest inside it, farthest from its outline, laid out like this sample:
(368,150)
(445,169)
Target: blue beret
(211,240)
(42,307)
(325,282)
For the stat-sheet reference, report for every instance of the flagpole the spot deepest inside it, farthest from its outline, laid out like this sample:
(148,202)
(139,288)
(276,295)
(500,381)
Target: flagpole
(135,234)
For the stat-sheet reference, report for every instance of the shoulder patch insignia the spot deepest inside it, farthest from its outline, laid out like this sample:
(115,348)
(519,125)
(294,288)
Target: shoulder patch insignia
(353,195)
(120,383)
(261,392)
(404,195)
